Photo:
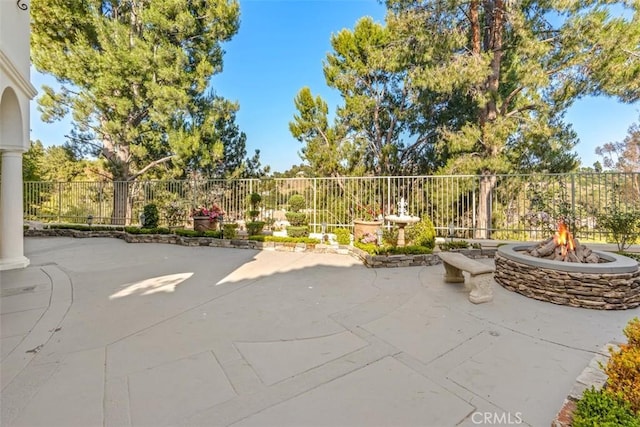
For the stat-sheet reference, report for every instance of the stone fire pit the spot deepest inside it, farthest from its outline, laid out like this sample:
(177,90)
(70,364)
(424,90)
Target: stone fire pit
(612,284)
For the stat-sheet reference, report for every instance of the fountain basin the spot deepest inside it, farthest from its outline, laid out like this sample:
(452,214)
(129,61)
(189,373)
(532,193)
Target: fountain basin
(402,219)
(610,285)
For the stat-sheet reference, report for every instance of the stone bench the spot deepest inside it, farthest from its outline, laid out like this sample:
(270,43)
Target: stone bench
(480,275)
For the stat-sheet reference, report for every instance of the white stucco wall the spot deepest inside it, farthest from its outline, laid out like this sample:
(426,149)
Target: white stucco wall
(14,74)
(16,91)
(14,33)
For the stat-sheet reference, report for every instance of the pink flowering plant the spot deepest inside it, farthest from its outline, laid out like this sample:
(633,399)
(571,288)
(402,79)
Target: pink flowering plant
(368,212)
(214,212)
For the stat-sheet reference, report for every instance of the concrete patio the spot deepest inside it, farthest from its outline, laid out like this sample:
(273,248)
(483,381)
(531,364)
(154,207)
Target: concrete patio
(98,332)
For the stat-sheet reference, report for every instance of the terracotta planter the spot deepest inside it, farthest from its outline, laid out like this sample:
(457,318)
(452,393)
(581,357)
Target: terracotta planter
(360,228)
(203,223)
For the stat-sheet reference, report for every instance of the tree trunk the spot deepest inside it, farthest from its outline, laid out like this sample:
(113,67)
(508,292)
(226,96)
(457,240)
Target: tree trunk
(483,219)
(121,208)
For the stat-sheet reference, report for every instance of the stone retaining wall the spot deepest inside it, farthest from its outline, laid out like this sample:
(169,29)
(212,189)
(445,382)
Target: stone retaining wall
(373,261)
(607,291)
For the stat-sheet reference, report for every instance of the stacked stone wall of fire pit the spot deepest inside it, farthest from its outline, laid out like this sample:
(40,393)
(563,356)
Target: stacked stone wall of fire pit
(607,291)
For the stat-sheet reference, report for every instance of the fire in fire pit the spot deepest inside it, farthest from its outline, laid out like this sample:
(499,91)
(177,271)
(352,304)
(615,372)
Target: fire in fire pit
(563,247)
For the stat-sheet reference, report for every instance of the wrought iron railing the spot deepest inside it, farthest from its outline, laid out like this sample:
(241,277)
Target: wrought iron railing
(521,207)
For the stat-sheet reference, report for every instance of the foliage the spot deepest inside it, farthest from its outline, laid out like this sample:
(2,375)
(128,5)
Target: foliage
(623,156)
(369,238)
(598,408)
(214,212)
(188,233)
(296,219)
(297,203)
(404,250)
(390,236)
(297,231)
(343,236)
(632,332)
(133,76)
(230,230)
(374,249)
(151,216)
(174,213)
(255,227)
(422,233)
(368,212)
(290,239)
(622,225)
(623,370)
(455,244)
(80,227)
(254,202)
(150,230)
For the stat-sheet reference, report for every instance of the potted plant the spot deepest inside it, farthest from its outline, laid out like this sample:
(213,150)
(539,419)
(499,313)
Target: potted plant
(206,218)
(368,219)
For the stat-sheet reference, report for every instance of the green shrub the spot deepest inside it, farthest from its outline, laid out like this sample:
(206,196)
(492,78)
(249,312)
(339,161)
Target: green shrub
(230,230)
(174,214)
(151,216)
(390,236)
(216,234)
(298,231)
(81,227)
(188,233)
(255,227)
(599,408)
(404,250)
(296,219)
(623,370)
(138,230)
(343,236)
(621,225)
(422,233)
(370,248)
(297,203)
(453,245)
(632,332)
(282,239)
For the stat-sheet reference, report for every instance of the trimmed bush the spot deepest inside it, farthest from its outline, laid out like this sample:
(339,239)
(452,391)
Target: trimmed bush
(422,233)
(599,408)
(151,216)
(298,231)
(281,239)
(255,227)
(230,230)
(343,236)
(296,219)
(297,203)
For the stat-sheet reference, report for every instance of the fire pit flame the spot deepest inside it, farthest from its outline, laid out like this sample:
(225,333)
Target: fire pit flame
(563,247)
(564,239)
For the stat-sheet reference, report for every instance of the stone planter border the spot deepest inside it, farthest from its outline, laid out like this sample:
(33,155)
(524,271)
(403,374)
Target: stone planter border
(372,261)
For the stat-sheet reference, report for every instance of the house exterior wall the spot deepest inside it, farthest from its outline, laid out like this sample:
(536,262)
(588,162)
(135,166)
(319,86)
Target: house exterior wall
(16,91)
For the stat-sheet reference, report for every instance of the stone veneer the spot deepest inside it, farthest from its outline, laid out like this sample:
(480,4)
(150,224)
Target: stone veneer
(606,290)
(373,261)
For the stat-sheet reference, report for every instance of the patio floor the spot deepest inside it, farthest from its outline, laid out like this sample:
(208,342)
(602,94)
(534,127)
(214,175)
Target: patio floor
(98,332)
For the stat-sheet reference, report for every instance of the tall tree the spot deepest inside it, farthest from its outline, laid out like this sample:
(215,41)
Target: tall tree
(623,156)
(518,65)
(326,145)
(129,70)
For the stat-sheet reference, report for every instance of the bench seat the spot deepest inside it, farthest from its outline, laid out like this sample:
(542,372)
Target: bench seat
(480,275)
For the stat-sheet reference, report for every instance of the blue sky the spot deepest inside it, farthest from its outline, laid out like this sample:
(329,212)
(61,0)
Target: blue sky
(280,48)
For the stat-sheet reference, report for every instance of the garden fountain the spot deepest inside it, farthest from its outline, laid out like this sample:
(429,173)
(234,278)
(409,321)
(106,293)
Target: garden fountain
(402,220)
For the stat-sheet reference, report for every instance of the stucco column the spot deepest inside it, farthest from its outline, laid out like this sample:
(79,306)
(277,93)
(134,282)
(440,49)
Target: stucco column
(11,221)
